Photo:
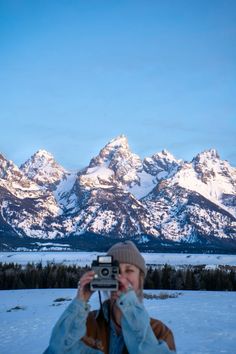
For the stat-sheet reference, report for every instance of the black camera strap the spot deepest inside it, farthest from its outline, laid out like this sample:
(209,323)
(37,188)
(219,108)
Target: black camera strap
(100,299)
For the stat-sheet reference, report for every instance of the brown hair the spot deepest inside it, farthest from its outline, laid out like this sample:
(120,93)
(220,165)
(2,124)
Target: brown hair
(141,284)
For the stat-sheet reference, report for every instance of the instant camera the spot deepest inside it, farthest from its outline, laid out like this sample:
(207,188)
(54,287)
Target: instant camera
(106,271)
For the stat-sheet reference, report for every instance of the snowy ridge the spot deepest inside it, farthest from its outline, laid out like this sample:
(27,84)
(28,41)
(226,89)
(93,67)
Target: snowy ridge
(120,195)
(12,179)
(209,176)
(43,169)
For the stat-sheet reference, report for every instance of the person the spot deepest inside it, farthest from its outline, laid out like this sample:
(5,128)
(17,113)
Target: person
(121,325)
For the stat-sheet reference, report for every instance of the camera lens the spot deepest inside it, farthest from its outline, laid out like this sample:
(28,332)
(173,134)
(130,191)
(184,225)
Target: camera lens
(105,272)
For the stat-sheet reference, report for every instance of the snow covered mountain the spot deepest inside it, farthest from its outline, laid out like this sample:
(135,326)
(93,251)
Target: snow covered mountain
(117,165)
(157,200)
(43,170)
(198,201)
(26,207)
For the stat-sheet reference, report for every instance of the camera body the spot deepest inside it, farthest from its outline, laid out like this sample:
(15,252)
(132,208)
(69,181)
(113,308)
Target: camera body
(106,271)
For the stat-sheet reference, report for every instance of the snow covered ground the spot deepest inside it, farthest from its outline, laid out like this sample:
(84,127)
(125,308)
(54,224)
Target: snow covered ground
(202,322)
(83,258)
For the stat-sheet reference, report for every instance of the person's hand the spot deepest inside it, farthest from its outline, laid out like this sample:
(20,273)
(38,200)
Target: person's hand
(84,293)
(124,285)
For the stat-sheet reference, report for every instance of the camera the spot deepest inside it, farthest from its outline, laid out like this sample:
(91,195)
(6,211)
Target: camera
(106,271)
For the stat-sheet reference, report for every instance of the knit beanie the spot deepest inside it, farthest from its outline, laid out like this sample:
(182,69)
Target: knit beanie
(127,252)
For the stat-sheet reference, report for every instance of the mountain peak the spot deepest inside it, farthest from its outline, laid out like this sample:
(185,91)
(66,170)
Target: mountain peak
(164,154)
(40,159)
(117,157)
(119,194)
(117,142)
(43,169)
(8,169)
(161,164)
(209,176)
(43,153)
(117,147)
(210,154)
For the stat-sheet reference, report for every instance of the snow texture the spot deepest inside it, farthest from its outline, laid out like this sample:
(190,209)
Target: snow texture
(202,322)
(85,258)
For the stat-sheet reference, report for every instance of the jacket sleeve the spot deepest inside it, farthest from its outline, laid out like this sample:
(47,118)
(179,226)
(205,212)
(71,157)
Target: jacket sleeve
(137,331)
(69,329)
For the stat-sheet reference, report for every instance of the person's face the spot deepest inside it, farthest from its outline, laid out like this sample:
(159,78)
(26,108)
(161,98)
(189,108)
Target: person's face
(129,274)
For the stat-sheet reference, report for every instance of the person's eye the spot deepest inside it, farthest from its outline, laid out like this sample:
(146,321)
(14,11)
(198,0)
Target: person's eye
(129,270)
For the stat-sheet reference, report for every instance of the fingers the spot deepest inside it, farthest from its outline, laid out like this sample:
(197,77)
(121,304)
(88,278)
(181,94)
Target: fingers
(84,291)
(86,278)
(124,284)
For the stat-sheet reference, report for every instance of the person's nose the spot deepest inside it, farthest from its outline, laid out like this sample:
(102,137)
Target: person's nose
(122,272)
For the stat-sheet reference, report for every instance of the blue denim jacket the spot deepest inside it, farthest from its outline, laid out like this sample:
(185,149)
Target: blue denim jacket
(135,323)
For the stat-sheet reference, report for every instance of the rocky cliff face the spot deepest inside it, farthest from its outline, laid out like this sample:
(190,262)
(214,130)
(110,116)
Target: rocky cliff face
(120,195)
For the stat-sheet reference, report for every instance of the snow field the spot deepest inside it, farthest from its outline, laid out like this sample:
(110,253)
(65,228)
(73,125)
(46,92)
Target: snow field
(202,322)
(83,258)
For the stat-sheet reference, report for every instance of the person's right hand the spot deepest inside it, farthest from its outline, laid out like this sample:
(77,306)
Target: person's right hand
(84,293)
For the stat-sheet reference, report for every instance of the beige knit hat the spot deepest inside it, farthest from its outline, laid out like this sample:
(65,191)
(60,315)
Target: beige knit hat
(127,252)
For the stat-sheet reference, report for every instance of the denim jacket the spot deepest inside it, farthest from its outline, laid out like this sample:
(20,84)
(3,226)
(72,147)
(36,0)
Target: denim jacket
(80,331)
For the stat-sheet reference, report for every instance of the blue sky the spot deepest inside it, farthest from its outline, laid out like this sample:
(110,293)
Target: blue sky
(75,74)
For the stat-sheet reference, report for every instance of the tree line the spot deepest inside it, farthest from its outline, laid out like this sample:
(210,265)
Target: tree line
(52,275)
(191,278)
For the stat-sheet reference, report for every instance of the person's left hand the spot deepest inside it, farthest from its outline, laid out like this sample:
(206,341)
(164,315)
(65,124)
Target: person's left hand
(124,285)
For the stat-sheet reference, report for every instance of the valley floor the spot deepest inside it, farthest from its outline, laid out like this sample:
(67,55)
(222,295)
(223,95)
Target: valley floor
(86,258)
(202,322)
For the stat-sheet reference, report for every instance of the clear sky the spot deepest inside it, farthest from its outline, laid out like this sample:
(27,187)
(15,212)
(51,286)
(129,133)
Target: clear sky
(75,74)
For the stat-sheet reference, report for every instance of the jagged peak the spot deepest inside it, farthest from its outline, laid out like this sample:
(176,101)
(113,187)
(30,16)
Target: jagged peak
(118,145)
(9,170)
(209,154)
(117,142)
(164,154)
(43,153)
(4,162)
(42,160)
(163,157)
